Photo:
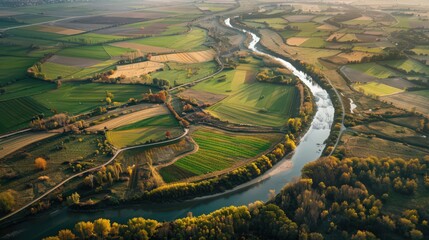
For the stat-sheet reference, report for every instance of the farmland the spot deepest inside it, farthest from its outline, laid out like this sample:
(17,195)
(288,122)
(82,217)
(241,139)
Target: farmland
(182,73)
(187,57)
(217,150)
(377,89)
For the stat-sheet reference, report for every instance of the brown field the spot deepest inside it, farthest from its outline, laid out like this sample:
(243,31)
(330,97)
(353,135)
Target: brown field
(375,33)
(367,38)
(187,57)
(327,27)
(296,41)
(386,128)
(356,76)
(130,118)
(13,143)
(335,35)
(408,100)
(202,97)
(58,30)
(137,69)
(299,18)
(361,146)
(344,58)
(73,61)
(5,13)
(142,47)
(397,83)
(140,15)
(80,26)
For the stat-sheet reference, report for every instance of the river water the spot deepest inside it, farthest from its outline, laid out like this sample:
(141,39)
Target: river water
(309,149)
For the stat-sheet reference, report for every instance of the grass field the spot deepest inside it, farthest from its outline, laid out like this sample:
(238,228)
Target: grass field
(192,40)
(16,113)
(178,72)
(54,70)
(377,89)
(93,52)
(373,69)
(14,67)
(423,50)
(217,150)
(259,104)
(276,23)
(316,42)
(409,65)
(26,87)
(92,38)
(76,98)
(153,128)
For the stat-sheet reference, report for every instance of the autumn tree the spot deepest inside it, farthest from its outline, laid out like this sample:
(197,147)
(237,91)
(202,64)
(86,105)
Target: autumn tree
(73,199)
(66,234)
(84,229)
(40,163)
(7,201)
(102,227)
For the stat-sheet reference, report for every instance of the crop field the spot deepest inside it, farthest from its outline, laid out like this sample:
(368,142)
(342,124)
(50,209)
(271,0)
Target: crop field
(142,48)
(186,57)
(377,89)
(299,18)
(131,120)
(11,144)
(259,104)
(137,69)
(421,50)
(132,137)
(25,88)
(91,52)
(180,73)
(192,40)
(92,70)
(213,7)
(368,48)
(374,70)
(345,58)
(16,113)
(315,42)
(54,70)
(218,150)
(76,98)
(14,67)
(276,23)
(57,30)
(409,65)
(363,20)
(309,29)
(296,41)
(92,38)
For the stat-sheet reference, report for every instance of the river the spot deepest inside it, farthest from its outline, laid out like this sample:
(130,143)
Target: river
(309,149)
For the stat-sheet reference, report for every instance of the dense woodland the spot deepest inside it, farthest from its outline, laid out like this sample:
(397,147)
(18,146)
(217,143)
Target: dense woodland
(351,198)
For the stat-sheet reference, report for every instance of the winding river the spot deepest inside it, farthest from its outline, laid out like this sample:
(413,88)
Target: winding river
(309,149)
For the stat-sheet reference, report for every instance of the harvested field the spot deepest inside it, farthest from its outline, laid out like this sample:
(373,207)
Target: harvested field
(409,100)
(137,69)
(139,15)
(299,18)
(327,27)
(58,30)
(143,48)
(367,38)
(108,20)
(73,61)
(397,83)
(130,118)
(202,97)
(345,58)
(187,57)
(11,144)
(296,41)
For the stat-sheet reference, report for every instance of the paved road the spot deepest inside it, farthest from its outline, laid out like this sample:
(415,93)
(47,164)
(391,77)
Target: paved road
(91,170)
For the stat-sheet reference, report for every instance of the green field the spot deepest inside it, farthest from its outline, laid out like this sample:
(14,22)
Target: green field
(53,70)
(178,72)
(409,65)
(421,50)
(94,52)
(217,150)
(153,128)
(369,49)
(76,98)
(314,43)
(26,87)
(13,68)
(373,69)
(192,40)
(276,23)
(92,70)
(17,113)
(309,29)
(377,89)
(92,38)
(259,104)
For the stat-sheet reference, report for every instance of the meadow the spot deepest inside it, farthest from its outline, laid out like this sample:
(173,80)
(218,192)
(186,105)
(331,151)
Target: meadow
(373,69)
(275,23)
(192,40)
(218,150)
(93,52)
(13,68)
(409,65)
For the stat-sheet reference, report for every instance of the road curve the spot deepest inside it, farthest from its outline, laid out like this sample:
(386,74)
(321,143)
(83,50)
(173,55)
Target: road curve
(92,169)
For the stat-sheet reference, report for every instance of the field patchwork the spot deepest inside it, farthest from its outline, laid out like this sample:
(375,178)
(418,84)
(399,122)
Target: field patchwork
(186,57)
